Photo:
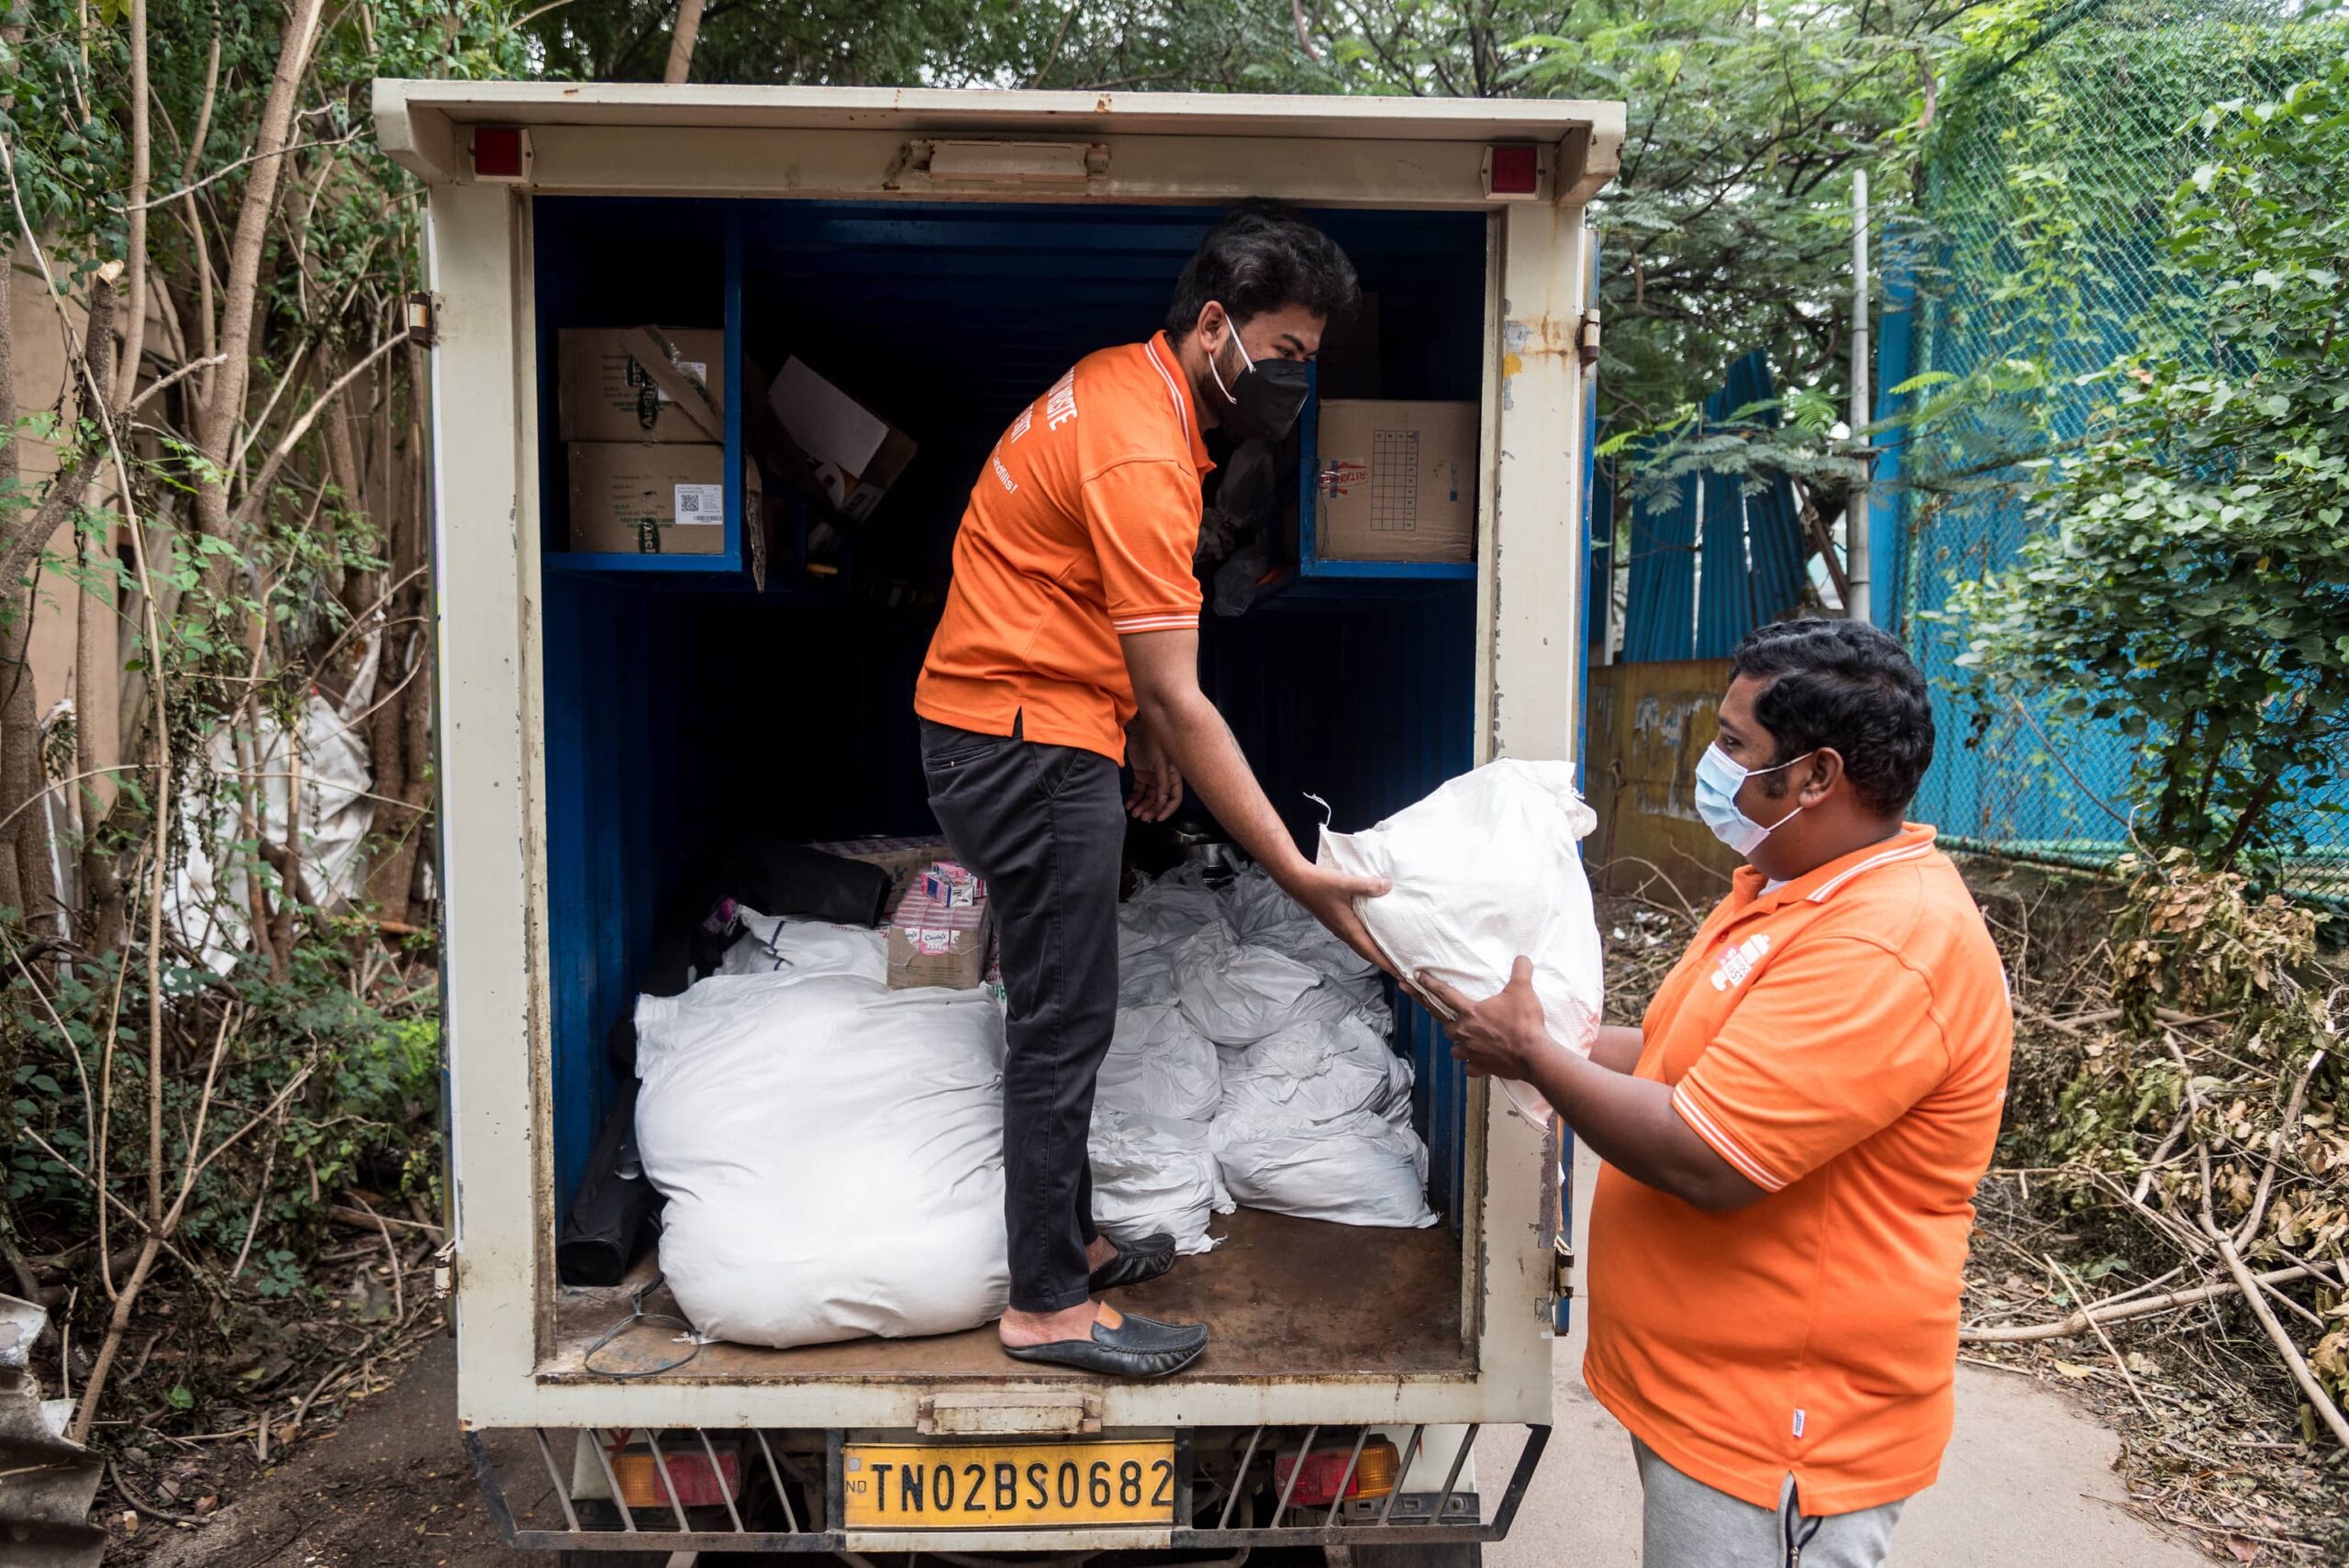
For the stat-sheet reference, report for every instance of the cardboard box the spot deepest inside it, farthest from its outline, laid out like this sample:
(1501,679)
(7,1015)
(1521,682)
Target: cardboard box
(1398,481)
(608,387)
(931,944)
(852,454)
(652,499)
(950,886)
(903,859)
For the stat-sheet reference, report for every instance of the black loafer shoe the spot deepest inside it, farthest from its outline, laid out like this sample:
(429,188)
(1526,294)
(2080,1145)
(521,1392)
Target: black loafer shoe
(1136,1261)
(1137,1347)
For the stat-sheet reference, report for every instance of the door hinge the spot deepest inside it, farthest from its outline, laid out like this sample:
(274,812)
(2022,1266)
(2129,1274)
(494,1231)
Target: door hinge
(1587,337)
(423,318)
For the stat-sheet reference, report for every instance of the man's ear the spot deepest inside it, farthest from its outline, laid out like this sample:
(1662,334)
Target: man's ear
(1819,776)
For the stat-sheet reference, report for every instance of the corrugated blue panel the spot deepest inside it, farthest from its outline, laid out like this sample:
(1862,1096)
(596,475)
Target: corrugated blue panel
(1711,561)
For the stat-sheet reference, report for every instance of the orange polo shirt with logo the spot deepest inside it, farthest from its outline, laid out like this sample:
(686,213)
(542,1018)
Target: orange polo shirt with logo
(1080,531)
(1842,1041)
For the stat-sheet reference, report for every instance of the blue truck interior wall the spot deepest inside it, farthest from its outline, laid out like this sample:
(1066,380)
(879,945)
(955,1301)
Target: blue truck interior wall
(675,706)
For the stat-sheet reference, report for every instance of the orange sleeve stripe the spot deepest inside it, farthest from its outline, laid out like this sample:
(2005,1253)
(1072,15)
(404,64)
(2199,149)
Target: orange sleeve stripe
(1702,1124)
(1159,622)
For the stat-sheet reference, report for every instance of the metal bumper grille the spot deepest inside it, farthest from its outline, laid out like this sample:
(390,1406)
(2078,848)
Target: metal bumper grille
(780,1504)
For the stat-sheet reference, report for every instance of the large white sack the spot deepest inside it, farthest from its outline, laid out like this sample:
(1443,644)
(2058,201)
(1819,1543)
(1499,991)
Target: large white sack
(1316,1072)
(1258,912)
(1171,908)
(832,1155)
(1359,1170)
(1236,993)
(1154,1174)
(1486,869)
(1160,1065)
(771,944)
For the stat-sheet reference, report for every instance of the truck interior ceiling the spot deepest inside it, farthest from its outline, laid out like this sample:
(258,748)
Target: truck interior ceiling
(682,705)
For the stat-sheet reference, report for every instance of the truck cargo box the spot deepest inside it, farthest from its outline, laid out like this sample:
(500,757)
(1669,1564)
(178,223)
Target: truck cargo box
(609,714)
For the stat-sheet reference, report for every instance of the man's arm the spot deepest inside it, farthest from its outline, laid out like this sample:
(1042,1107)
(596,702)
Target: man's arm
(1165,670)
(1629,1122)
(1617,1048)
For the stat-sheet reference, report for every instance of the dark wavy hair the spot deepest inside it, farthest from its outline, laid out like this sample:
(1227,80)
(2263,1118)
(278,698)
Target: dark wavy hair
(1846,684)
(1264,255)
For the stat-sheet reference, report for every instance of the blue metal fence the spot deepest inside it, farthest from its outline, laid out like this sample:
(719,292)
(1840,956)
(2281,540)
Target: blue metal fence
(2069,154)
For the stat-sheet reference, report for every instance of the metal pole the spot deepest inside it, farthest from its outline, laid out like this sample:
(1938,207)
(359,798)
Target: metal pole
(1856,565)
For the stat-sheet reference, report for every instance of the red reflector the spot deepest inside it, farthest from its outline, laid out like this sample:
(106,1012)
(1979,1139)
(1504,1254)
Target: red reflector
(699,1487)
(1517,170)
(1316,1483)
(497,152)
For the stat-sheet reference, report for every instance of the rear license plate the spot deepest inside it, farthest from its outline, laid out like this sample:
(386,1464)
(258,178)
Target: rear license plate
(1008,1485)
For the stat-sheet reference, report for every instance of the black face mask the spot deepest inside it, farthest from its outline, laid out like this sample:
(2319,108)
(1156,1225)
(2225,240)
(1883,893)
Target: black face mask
(1264,398)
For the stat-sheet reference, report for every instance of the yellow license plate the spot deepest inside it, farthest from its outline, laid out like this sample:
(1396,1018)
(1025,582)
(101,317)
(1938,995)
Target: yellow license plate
(1008,1485)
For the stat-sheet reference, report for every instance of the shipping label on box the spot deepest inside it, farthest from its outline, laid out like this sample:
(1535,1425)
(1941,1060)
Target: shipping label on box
(609,385)
(933,944)
(1396,481)
(636,498)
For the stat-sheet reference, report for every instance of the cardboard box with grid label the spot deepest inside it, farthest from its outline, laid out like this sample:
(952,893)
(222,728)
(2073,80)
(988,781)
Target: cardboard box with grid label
(1396,481)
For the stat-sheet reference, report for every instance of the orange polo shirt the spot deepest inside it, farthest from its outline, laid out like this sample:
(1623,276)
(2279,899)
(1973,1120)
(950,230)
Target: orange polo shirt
(1843,1042)
(1080,531)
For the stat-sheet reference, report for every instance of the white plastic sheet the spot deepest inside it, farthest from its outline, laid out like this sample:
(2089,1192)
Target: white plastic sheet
(209,901)
(832,1153)
(1485,869)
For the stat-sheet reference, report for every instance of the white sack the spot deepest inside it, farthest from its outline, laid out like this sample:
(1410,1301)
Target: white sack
(771,944)
(1485,869)
(1259,912)
(1160,1065)
(1359,1170)
(1316,1072)
(1154,1174)
(1237,994)
(832,1155)
(1167,911)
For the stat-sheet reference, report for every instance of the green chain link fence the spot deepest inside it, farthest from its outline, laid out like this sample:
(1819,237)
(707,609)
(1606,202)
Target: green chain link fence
(2043,194)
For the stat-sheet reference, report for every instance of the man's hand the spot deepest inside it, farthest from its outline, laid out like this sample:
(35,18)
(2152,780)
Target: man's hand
(1502,1036)
(1328,896)
(1158,784)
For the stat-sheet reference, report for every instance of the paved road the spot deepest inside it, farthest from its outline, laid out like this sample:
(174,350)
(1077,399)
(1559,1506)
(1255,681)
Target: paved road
(2029,1482)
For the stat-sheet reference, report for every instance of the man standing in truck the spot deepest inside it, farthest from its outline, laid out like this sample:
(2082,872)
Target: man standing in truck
(1793,1134)
(1069,644)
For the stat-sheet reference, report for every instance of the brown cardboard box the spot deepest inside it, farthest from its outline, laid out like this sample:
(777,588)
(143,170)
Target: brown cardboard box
(1398,481)
(651,499)
(931,944)
(904,859)
(605,391)
(852,453)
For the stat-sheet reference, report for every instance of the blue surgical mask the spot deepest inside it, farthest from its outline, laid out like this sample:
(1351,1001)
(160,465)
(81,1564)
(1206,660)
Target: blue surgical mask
(1717,781)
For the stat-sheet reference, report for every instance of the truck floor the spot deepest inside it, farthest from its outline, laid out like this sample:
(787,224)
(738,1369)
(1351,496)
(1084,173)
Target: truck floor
(1286,1298)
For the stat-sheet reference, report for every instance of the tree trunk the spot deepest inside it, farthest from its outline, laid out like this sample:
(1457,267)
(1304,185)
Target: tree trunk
(399,734)
(224,407)
(682,41)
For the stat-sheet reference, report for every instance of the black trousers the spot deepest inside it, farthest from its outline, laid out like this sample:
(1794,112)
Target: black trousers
(1044,826)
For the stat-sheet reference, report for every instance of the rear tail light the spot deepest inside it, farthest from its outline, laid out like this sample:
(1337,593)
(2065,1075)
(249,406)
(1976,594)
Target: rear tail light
(1316,1483)
(698,1485)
